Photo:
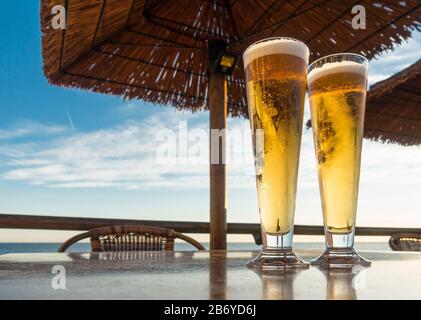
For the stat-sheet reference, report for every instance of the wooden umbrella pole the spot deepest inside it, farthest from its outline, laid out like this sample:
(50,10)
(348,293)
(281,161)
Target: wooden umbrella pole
(218,121)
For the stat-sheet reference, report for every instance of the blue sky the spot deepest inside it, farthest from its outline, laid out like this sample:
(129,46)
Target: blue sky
(74,153)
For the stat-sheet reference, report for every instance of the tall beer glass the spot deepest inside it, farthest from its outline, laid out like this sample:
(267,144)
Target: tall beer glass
(276,73)
(337,86)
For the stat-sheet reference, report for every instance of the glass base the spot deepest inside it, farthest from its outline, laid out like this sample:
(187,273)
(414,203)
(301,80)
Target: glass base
(277,259)
(277,254)
(340,258)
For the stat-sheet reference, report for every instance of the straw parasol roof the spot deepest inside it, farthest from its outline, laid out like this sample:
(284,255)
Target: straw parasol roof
(393,111)
(157,50)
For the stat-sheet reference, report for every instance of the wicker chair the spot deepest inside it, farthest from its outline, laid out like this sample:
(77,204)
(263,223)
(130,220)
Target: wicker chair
(405,242)
(130,238)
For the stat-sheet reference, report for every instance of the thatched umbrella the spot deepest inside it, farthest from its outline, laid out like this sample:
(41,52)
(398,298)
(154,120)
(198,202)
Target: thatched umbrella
(393,111)
(178,52)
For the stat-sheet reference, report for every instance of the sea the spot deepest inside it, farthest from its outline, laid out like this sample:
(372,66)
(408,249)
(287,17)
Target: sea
(233,246)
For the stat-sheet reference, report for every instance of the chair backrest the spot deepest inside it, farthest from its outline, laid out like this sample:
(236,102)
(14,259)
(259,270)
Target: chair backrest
(405,242)
(132,238)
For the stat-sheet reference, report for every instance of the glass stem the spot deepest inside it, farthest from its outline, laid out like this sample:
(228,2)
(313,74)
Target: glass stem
(340,240)
(278,242)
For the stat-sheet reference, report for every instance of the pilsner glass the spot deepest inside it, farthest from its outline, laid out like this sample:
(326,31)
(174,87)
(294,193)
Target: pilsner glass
(337,86)
(276,73)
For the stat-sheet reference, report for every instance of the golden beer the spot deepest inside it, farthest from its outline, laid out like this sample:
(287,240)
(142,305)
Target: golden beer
(337,87)
(276,73)
(276,91)
(337,107)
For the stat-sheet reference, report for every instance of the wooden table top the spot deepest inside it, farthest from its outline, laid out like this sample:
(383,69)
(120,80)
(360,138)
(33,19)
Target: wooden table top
(202,275)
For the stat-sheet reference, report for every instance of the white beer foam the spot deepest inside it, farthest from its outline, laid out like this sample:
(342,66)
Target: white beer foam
(276,46)
(336,67)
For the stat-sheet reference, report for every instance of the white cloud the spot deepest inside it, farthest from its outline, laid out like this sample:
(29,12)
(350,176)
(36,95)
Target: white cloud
(123,156)
(27,128)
